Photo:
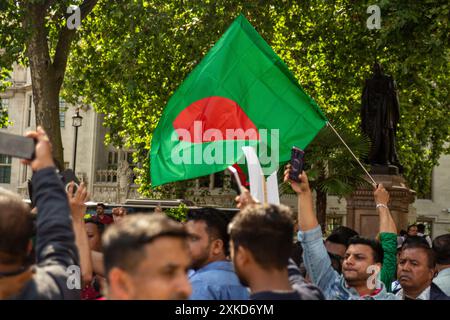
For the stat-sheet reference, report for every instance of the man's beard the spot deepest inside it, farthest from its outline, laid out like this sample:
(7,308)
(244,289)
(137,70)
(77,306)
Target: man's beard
(200,262)
(353,279)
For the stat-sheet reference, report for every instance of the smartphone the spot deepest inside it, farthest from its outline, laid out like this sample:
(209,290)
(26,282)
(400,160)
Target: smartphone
(17,146)
(236,178)
(296,163)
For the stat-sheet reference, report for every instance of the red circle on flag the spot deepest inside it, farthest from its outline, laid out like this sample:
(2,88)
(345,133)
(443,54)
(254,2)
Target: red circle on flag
(212,119)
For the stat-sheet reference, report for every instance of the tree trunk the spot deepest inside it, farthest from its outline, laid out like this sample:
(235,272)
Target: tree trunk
(45,83)
(47,76)
(321,208)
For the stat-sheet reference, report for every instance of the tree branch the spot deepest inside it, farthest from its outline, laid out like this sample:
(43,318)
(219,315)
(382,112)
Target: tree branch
(65,38)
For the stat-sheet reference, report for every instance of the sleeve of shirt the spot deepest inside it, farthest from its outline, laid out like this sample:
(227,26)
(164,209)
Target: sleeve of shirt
(201,291)
(316,259)
(389,268)
(55,239)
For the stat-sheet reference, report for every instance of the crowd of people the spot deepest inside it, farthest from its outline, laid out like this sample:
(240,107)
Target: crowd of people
(211,256)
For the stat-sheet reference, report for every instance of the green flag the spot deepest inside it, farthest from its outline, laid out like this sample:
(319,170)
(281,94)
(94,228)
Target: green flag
(241,93)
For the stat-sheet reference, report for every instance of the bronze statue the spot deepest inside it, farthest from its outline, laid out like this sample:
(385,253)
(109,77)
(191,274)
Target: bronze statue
(380,115)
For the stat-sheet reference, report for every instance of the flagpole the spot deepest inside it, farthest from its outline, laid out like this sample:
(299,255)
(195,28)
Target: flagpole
(339,136)
(265,201)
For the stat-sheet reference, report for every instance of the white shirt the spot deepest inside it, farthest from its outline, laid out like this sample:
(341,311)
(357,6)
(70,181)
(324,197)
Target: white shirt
(425,295)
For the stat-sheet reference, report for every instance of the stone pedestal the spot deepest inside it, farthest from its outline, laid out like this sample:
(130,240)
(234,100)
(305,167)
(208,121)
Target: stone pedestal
(362,215)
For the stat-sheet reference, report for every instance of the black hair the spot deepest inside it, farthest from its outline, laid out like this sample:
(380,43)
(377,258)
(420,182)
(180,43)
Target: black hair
(441,249)
(124,243)
(376,247)
(416,239)
(416,243)
(267,232)
(216,223)
(100,226)
(16,228)
(421,228)
(341,235)
(101,204)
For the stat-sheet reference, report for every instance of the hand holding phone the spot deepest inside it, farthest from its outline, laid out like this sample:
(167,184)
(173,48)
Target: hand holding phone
(43,157)
(17,146)
(296,164)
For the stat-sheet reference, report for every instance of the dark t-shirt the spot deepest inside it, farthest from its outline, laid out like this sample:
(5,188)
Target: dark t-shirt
(273,295)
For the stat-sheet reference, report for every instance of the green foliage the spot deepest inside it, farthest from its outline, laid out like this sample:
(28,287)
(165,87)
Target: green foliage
(134,54)
(333,170)
(179,213)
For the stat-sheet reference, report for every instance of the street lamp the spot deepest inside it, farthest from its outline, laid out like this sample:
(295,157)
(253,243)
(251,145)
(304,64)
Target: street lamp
(76,123)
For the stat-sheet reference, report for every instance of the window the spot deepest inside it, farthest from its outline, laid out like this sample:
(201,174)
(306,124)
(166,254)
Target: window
(132,165)
(204,182)
(112,160)
(218,179)
(5,169)
(333,222)
(29,109)
(62,113)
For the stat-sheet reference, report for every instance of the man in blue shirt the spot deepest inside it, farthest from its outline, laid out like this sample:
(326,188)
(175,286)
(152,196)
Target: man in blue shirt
(214,277)
(363,257)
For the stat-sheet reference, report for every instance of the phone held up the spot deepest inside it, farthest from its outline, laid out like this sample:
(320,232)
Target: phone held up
(297,163)
(17,146)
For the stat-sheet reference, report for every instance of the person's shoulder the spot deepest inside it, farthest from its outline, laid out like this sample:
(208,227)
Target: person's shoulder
(42,286)
(217,277)
(436,293)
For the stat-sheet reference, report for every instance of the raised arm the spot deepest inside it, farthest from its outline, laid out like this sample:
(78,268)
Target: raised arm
(387,236)
(78,210)
(55,240)
(387,223)
(315,256)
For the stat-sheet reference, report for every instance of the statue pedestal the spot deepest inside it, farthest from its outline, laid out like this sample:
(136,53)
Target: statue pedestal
(361,212)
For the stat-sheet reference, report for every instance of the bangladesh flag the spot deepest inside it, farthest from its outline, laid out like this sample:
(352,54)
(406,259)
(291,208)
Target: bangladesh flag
(241,93)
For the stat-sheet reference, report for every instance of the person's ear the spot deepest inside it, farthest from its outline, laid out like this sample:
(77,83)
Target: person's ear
(243,256)
(217,247)
(432,273)
(120,286)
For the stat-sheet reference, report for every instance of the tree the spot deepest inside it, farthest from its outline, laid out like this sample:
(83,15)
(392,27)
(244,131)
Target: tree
(135,54)
(35,33)
(331,168)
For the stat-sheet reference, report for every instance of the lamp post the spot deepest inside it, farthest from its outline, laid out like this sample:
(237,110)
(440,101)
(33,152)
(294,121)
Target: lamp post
(76,123)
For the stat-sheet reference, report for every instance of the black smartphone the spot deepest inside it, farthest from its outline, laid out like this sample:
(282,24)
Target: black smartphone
(17,146)
(296,163)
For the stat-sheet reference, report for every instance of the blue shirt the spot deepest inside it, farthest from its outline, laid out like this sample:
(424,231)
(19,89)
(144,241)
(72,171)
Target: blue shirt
(318,265)
(217,281)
